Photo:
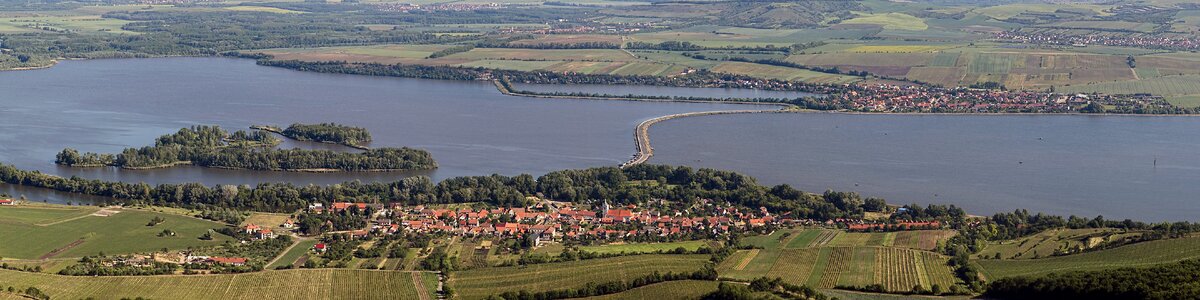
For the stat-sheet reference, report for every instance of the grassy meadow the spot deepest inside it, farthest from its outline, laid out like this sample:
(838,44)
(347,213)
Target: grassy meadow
(30,232)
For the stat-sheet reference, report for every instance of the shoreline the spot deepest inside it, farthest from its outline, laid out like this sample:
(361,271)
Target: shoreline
(512,93)
(316,170)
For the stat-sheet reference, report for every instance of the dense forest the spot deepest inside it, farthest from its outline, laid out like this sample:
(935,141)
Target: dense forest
(1170,281)
(328,133)
(211,146)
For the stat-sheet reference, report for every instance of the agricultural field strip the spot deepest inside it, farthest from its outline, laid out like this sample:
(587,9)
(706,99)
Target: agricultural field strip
(746,260)
(483,282)
(1136,255)
(839,263)
(298,284)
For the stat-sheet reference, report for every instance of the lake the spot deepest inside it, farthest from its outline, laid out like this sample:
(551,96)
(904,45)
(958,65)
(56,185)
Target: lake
(469,127)
(1119,166)
(1139,167)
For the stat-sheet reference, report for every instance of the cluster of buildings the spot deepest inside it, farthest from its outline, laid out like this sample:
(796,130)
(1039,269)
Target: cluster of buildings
(261,233)
(1138,40)
(169,2)
(914,98)
(407,7)
(559,221)
(604,28)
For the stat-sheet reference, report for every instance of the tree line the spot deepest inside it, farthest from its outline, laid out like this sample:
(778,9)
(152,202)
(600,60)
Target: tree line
(1168,281)
(682,184)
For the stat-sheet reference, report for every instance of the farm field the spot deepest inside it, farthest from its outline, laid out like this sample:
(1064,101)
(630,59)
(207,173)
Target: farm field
(724,36)
(1046,243)
(285,284)
(43,215)
(644,247)
(852,295)
(897,269)
(480,283)
(266,219)
(301,248)
(61,235)
(782,73)
(571,39)
(825,259)
(899,21)
(520,65)
(87,24)
(1185,100)
(1166,85)
(545,54)
(1136,255)
(683,289)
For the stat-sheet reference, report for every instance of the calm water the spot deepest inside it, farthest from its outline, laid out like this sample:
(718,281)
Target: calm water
(469,127)
(1083,165)
(648,90)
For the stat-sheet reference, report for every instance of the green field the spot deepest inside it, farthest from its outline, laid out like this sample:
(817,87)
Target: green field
(286,284)
(301,248)
(804,239)
(644,247)
(683,289)
(1136,255)
(781,73)
(1165,86)
(82,24)
(1046,243)
(1184,100)
(823,258)
(545,54)
(519,65)
(898,21)
(124,232)
(480,283)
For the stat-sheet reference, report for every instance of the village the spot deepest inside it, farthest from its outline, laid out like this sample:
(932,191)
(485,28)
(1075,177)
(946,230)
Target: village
(555,221)
(1139,40)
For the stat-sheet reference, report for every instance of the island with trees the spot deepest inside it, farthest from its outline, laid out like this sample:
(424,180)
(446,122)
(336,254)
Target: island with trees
(331,133)
(211,146)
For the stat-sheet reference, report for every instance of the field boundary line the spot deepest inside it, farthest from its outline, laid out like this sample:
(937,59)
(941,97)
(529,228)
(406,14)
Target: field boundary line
(285,252)
(65,220)
(419,285)
(746,261)
(922,273)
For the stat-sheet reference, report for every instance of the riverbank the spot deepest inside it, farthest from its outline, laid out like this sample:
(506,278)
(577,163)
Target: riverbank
(504,89)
